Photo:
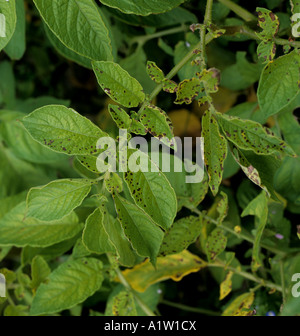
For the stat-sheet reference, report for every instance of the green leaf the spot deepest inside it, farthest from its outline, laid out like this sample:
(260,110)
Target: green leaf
(57,199)
(153,193)
(269,23)
(156,122)
(279,84)
(126,255)
(260,169)
(173,17)
(63,130)
(135,65)
(65,51)
(142,7)
(287,181)
(182,233)
(118,84)
(19,310)
(144,235)
(7,84)
(18,230)
(210,79)
(215,150)
(258,207)
(187,194)
(154,72)
(39,271)
(249,135)
(187,91)
(15,48)
(94,236)
(222,207)
(241,75)
(120,117)
(215,244)
(113,183)
(23,145)
(90,38)
(123,304)
(8,19)
(69,284)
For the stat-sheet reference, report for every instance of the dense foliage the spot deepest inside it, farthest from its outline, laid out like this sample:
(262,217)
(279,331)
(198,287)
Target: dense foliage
(78,241)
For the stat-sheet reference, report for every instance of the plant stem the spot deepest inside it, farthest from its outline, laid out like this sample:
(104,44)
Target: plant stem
(188,308)
(282,282)
(239,235)
(124,282)
(141,40)
(238,10)
(247,275)
(208,12)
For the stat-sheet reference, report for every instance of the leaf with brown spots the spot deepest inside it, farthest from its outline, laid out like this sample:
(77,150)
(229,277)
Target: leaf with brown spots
(187,91)
(118,84)
(215,150)
(215,244)
(240,306)
(123,304)
(250,135)
(269,23)
(154,72)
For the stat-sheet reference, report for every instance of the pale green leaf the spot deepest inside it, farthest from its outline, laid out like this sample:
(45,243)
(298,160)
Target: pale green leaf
(258,207)
(250,135)
(144,235)
(279,83)
(215,150)
(154,194)
(126,255)
(39,271)
(8,19)
(57,199)
(123,304)
(94,236)
(215,244)
(118,84)
(18,230)
(63,130)
(120,117)
(182,233)
(15,48)
(69,284)
(78,25)
(156,122)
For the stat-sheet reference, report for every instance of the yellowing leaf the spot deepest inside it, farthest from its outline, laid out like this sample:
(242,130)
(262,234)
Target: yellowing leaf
(226,286)
(174,267)
(240,306)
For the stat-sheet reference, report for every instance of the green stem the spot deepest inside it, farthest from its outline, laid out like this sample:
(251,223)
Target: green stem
(282,282)
(238,10)
(208,12)
(124,282)
(248,238)
(175,70)
(247,275)
(188,308)
(141,40)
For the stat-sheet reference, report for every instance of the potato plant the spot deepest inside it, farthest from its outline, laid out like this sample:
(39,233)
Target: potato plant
(84,233)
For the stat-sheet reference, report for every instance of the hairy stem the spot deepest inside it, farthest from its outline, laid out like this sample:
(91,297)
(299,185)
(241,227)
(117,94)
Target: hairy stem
(247,275)
(238,10)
